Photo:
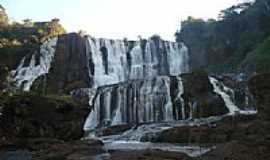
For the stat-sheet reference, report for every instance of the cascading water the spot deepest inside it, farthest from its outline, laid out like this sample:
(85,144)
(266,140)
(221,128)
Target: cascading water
(221,90)
(25,76)
(224,91)
(120,61)
(113,61)
(109,61)
(136,102)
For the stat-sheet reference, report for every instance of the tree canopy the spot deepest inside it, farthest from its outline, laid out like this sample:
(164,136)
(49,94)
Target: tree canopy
(237,32)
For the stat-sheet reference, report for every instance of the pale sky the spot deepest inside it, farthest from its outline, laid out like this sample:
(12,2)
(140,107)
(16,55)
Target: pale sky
(117,18)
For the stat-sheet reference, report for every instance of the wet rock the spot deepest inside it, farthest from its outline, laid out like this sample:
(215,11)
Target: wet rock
(213,133)
(199,93)
(69,68)
(113,130)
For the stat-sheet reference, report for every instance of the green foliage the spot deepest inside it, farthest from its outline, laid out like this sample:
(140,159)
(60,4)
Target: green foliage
(16,36)
(227,42)
(28,33)
(18,40)
(263,56)
(3,17)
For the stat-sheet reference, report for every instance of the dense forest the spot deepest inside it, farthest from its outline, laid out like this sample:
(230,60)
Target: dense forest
(237,42)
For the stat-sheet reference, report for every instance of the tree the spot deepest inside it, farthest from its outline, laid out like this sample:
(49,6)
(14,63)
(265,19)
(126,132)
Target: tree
(28,22)
(3,17)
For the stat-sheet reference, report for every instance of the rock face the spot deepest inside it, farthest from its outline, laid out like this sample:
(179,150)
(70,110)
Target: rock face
(199,93)
(70,66)
(32,116)
(260,88)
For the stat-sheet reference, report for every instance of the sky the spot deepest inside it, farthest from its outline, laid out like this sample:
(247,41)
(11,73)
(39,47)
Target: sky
(117,18)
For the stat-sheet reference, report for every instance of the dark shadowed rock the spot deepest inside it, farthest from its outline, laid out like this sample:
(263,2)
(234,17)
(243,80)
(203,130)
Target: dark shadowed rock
(69,68)
(199,92)
(30,116)
(220,132)
(260,87)
(114,130)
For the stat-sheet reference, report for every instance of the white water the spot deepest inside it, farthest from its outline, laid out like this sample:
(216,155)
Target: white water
(120,63)
(136,102)
(112,61)
(149,101)
(222,90)
(116,61)
(179,96)
(25,76)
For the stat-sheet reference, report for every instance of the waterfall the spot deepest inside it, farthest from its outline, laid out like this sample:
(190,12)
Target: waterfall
(179,97)
(221,89)
(224,91)
(24,76)
(111,61)
(114,62)
(136,102)
(134,83)
(143,90)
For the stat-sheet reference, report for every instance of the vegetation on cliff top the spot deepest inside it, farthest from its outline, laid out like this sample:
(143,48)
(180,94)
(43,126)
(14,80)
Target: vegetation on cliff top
(20,39)
(229,42)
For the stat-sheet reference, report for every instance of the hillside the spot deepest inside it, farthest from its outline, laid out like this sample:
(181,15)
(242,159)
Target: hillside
(229,43)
